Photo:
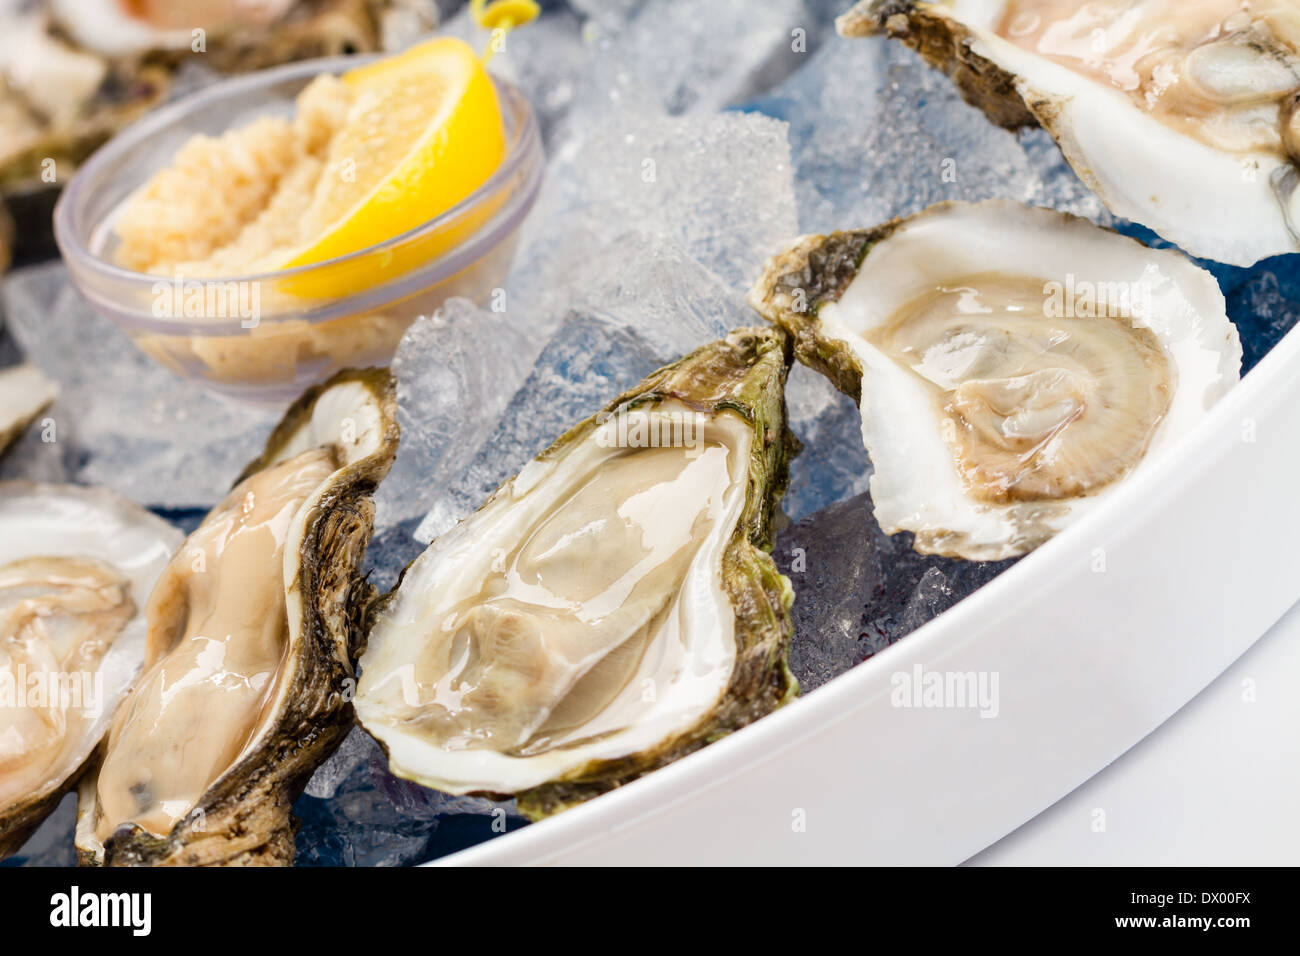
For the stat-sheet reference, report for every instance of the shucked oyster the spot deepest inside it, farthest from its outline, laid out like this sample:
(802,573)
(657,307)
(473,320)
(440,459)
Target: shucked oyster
(76,565)
(1180,114)
(251,642)
(607,610)
(1013,364)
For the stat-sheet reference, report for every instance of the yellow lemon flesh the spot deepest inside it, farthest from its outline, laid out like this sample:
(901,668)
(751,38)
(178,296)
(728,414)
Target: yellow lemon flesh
(423,132)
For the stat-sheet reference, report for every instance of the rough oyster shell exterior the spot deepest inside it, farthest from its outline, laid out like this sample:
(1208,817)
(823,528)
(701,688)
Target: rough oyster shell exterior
(244,818)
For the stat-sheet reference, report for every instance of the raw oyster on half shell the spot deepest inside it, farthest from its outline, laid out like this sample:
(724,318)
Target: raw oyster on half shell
(1182,115)
(76,567)
(1013,364)
(610,608)
(252,636)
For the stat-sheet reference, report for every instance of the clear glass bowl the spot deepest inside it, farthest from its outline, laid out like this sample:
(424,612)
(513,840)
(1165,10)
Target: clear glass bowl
(264,338)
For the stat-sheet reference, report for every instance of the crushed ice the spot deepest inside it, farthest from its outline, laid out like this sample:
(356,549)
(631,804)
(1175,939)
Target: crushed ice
(686,141)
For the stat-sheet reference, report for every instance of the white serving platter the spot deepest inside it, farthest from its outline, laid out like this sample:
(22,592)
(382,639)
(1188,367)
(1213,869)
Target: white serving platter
(1214,785)
(1096,639)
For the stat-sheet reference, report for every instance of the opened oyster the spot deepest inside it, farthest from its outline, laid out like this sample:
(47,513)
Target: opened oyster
(24,393)
(1180,114)
(607,610)
(76,565)
(1013,364)
(250,648)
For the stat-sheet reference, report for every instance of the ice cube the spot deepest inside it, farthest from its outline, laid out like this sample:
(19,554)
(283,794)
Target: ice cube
(833,464)
(456,371)
(858,590)
(354,752)
(51,843)
(122,420)
(355,813)
(876,133)
(1265,304)
(718,187)
(609,13)
(700,55)
(588,362)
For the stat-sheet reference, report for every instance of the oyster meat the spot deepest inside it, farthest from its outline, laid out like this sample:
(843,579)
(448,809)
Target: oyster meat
(611,607)
(1013,364)
(1180,114)
(25,392)
(250,652)
(76,565)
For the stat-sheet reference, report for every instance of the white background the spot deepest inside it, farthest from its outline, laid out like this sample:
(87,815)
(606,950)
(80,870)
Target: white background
(1217,784)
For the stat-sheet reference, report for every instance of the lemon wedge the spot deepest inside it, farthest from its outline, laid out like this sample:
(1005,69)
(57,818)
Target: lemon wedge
(423,132)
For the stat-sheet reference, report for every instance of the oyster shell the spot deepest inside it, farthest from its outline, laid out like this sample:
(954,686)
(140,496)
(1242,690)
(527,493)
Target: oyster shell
(25,392)
(609,609)
(76,565)
(1180,114)
(252,638)
(6,239)
(1013,364)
